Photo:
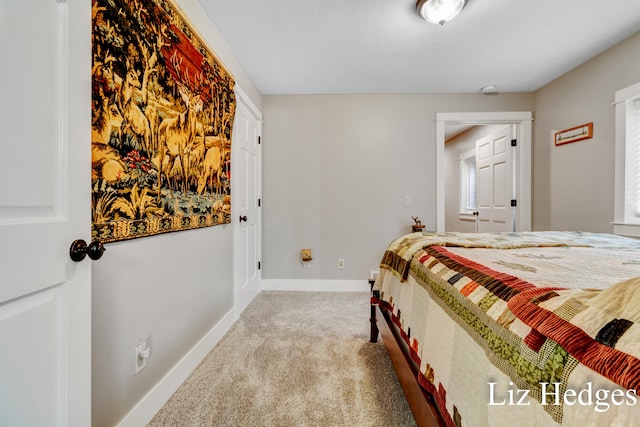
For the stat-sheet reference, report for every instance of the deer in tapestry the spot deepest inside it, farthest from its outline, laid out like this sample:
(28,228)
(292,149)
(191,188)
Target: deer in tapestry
(133,119)
(177,134)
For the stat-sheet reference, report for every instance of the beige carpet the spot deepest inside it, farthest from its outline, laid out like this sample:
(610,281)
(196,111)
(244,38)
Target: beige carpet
(293,359)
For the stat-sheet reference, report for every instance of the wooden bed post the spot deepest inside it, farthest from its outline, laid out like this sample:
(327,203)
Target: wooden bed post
(372,318)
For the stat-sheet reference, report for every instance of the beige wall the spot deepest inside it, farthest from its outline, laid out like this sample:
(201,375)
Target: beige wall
(573,184)
(174,287)
(336,169)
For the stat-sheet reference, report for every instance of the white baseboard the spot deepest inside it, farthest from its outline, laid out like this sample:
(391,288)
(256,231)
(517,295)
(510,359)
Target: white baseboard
(153,401)
(315,285)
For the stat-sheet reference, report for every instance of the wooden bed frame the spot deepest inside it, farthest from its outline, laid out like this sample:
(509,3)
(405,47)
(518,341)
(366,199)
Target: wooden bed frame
(421,403)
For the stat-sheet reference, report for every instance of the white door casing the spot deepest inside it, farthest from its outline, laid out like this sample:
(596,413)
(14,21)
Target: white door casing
(522,121)
(494,171)
(246,200)
(45,298)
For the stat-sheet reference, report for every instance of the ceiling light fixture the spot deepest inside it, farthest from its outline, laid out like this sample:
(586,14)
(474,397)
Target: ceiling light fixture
(439,11)
(489,90)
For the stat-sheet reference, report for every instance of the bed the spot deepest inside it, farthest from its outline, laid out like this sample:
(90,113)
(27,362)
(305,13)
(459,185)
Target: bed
(514,329)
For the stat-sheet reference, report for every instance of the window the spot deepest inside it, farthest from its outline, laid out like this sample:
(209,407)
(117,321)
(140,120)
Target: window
(468,182)
(627,166)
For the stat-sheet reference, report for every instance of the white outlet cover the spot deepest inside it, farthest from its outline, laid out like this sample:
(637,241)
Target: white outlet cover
(141,353)
(140,362)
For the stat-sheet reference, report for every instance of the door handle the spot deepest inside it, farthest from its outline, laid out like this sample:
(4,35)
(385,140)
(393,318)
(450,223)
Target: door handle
(79,250)
(243,218)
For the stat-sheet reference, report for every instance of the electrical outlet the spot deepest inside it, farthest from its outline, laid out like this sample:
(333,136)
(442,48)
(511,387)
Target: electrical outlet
(340,263)
(408,201)
(373,274)
(142,352)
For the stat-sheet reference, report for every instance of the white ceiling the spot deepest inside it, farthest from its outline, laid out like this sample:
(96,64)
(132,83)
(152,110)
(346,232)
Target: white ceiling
(382,46)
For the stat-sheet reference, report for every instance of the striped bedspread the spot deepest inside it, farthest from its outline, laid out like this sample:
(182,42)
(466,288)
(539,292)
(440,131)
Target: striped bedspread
(501,340)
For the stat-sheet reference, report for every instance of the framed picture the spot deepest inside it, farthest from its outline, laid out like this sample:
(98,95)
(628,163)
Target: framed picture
(574,134)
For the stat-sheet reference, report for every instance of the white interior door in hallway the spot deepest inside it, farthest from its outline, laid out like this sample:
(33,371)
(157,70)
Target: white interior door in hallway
(45,204)
(494,172)
(247,184)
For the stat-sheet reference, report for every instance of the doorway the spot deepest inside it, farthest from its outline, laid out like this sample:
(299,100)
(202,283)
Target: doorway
(521,122)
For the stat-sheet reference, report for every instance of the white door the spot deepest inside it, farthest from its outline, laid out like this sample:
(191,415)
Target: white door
(495,186)
(45,298)
(247,182)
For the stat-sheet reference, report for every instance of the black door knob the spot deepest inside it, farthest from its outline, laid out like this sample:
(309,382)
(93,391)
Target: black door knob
(79,250)
(243,218)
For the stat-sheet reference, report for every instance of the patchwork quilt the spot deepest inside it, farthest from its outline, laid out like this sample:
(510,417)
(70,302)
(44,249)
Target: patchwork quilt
(528,329)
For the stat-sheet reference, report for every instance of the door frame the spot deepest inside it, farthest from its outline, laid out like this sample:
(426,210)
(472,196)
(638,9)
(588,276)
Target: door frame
(243,98)
(522,120)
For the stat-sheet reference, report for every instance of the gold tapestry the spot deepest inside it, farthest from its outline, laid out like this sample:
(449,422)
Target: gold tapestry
(162,117)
